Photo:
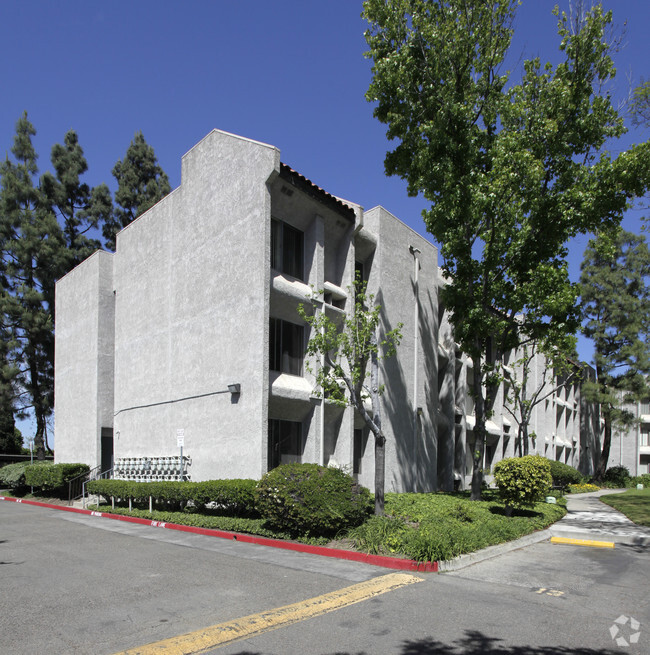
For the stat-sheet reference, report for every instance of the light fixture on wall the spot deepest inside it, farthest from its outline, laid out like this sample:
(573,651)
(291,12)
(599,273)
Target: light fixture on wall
(234,388)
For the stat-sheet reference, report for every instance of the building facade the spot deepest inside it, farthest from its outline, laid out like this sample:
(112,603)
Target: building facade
(631,447)
(188,337)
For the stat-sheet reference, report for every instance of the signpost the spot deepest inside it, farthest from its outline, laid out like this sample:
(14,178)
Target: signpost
(180,442)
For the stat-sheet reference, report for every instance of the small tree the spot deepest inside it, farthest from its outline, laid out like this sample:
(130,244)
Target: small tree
(347,348)
(525,393)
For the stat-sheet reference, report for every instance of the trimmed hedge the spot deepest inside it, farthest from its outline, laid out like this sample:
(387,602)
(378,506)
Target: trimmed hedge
(234,497)
(563,475)
(309,499)
(523,481)
(47,476)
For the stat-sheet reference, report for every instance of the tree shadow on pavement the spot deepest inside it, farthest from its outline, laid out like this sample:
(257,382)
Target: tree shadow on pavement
(474,643)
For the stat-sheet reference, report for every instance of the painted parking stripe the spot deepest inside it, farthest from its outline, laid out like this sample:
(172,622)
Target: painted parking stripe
(256,624)
(582,542)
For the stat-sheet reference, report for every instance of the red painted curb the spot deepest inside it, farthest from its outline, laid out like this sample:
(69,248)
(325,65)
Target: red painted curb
(352,555)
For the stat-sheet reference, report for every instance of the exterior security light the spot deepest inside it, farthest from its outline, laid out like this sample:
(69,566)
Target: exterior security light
(234,388)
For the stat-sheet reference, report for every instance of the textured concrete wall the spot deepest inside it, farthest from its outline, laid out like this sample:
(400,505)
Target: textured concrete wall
(84,359)
(192,279)
(410,378)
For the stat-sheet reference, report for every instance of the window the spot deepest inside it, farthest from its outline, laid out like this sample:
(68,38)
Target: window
(644,437)
(286,443)
(287,249)
(286,347)
(359,447)
(645,407)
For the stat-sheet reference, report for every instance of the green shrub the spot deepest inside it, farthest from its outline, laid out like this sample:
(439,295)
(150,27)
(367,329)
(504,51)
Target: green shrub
(617,476)
(563,475)
(311,499)
(523,481)
(643,479)
(13,475)
(232,497)
(47,476)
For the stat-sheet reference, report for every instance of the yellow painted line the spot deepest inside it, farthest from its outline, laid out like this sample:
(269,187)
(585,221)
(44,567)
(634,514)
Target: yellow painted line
(582,542)
(255,624)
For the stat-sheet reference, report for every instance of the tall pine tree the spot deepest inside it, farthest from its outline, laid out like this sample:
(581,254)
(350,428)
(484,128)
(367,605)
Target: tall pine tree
(33,256)
(141,184)
(80,209)
(616,305)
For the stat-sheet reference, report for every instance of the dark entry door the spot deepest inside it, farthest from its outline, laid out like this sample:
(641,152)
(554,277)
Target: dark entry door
(107,449)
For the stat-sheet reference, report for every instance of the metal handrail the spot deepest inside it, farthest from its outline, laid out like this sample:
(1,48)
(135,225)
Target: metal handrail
(98,476)
(73,484)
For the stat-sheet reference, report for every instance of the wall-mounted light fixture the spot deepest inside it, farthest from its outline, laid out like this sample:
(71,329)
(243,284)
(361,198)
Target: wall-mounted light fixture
(234,388)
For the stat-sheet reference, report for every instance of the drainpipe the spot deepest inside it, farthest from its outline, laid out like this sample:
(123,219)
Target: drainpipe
(416,347)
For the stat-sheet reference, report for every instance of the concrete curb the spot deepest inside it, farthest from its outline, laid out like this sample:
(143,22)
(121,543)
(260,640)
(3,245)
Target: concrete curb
(463,561)
(395,563)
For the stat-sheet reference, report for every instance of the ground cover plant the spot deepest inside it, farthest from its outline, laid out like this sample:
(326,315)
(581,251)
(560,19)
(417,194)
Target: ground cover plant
(582,488)
(440,526)
(423,527)
(635,504)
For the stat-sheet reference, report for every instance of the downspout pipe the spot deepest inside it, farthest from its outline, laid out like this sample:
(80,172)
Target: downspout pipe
(416,348)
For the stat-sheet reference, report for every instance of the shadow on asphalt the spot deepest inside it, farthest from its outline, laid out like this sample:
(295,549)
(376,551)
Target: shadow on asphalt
(476,643)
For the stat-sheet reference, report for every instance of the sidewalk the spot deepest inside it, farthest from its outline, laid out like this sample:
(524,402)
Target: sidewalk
(588,518)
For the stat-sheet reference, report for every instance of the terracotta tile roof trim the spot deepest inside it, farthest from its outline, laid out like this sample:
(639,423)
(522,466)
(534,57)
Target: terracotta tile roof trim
(299,181)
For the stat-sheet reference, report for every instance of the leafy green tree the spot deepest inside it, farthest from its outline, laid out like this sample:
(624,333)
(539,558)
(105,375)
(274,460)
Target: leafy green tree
(80,209)
(141,184)
(640,105)
(616,305)
(513,170)
(348,349)
(33,255)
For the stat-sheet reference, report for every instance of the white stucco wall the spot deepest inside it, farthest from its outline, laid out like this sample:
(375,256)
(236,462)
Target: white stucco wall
(191,278)
(83,372)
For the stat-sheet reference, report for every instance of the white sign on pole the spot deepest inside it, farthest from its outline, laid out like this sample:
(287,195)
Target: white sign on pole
(180,437)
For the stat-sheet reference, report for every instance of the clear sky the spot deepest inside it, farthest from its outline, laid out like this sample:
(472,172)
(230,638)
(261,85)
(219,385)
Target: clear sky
(289,73)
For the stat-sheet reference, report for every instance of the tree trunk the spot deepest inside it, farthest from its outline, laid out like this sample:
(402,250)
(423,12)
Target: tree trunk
(599,473)
(380,440)
(380,473)
(524,437)
(479,430)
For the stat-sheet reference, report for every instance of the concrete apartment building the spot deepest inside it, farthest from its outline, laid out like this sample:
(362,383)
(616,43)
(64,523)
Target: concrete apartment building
(189,335)
(631,447)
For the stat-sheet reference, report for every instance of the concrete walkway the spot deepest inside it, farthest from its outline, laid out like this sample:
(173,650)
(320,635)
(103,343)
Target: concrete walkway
(588,518)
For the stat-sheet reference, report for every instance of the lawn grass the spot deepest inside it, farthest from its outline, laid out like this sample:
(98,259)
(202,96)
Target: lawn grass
(635,504)
(423,527)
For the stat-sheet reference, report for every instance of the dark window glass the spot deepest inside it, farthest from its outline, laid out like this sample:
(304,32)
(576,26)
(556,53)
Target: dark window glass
(287,249)
(286,442)
(359,448)
(286,347)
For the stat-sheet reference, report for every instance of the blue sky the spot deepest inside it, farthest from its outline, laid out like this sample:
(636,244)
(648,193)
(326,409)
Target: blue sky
(288,73)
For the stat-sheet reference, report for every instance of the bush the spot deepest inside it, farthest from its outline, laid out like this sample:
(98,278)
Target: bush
(563,475)
(523,481)
(232,497)
(311,499)
(13,475)
(643,479)
(617,476)
(47,476)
